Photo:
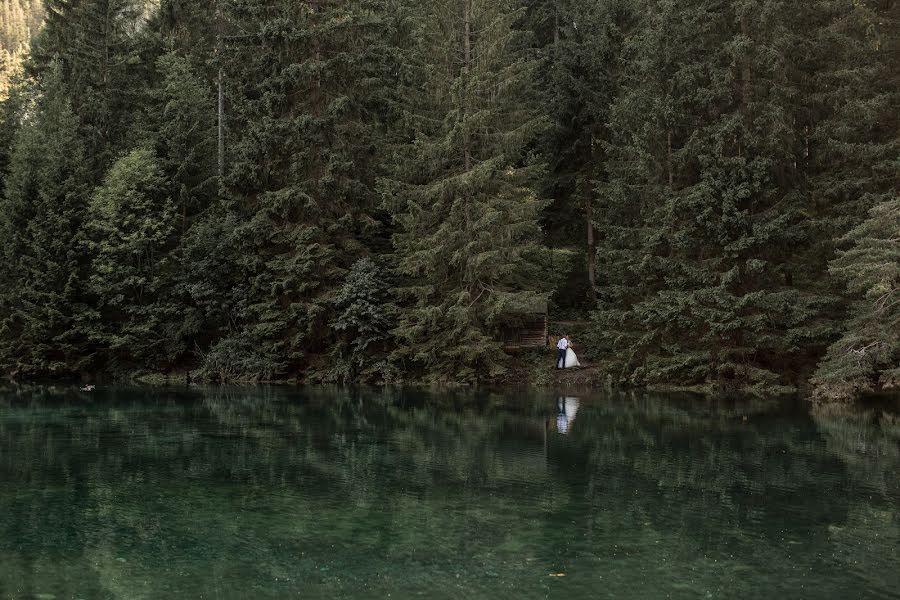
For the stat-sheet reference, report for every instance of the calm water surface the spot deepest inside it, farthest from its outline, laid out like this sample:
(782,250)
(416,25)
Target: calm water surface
(351,493)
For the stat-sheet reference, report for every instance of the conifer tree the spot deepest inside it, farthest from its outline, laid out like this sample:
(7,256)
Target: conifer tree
(851,143)
(184,131)
(131,228)
(867,356)
(41,223)
(852,118)
(19,22)
(704,204)
(364,319)
(582,44)
(468,245)
(107,66)
(300,164)
(640,165)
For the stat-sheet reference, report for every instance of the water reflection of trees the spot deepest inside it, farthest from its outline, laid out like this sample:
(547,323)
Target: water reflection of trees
(867,543)
(339,486)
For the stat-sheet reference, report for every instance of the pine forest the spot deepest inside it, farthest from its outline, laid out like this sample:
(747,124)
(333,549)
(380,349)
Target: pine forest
(705,193)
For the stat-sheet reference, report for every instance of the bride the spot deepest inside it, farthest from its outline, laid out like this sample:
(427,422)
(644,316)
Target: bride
(571,359)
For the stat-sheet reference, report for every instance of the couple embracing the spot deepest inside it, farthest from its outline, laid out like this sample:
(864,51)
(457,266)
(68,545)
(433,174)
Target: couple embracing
(565,357)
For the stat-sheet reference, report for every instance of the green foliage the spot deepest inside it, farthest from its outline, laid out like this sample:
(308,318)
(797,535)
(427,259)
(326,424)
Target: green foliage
(41,270)
(211,302)
(468,247)
(106,60)
(131,225)
(704,223)
(235,360)
(852,115)
(185,135)
(19,21)
(582,46)
(365,316)
(301,184)
(395,175)
(867,356)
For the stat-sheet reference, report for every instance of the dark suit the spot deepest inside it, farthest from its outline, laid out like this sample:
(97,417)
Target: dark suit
(561,357)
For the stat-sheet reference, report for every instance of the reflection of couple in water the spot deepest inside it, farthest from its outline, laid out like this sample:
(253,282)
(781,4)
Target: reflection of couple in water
(566,407)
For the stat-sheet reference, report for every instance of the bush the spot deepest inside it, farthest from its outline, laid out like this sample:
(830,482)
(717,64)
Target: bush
(235,360)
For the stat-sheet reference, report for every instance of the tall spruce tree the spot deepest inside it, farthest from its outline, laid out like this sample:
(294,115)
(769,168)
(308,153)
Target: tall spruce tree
(184,132)
(131,228)
(42,269)
(185,138)
(852,118)
(853,145)
(705,198)
(107,59)
(20,20)
(300,166)
(582,44)
(867,356)
(464,199)
(641,163)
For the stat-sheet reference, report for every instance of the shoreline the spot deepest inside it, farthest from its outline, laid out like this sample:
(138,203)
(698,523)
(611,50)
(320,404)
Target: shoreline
(589,379)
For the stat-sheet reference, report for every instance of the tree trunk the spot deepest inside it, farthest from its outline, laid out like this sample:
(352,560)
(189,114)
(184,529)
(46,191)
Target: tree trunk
(591,243)
(591,248)
(669,158)
(746,75)
(221,126)
(467,65)
(556,36)
(314,8)
(221,91)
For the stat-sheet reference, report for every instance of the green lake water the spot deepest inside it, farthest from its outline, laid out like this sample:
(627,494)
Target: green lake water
(364,493)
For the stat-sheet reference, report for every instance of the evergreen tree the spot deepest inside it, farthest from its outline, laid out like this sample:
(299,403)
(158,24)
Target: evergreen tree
(131,225)
(300,165)
(43,271)
(852,141)
(582,43)
(704,201)
(107,59)
(365,315)
(640,164)
(185,135)
(867,356)
(19,21)
(469,242)
(850,127)
(11,113)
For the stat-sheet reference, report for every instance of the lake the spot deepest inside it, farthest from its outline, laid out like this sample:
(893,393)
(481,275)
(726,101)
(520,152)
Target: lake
(369,493)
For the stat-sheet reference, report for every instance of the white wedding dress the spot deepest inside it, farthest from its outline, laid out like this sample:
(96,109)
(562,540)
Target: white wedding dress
(571,359)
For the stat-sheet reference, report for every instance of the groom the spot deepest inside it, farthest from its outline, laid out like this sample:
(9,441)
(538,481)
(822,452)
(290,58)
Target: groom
(561,347)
